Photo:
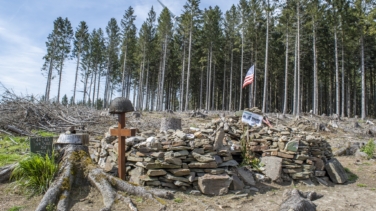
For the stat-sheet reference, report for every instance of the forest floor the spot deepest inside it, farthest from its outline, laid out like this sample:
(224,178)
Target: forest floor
(357,194)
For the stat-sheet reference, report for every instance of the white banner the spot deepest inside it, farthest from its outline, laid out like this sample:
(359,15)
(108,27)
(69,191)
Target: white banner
(251,118)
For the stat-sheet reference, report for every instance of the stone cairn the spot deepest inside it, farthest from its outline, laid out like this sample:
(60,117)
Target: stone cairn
(206,158)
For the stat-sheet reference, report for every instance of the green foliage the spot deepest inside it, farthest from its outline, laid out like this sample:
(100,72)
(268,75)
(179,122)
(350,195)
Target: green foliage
(352,177)
(51,207)
(44,133)
(178,200)
(361,185)
(15,208)
(64,100)
(369,148)
(11,152)
(35,173)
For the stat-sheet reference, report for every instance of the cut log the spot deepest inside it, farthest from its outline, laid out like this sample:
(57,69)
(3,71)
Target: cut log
(5,172)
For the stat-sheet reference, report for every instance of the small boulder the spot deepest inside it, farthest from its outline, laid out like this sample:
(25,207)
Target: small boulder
(336,171)
(214,184)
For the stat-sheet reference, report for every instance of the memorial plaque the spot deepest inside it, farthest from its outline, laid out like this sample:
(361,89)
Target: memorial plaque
(41,145)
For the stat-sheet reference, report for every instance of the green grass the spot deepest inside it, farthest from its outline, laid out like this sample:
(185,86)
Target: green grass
(361,185)
(178,200)
(15,208)
(44,133)
(352,177)
(11,152)
(35,173)
(369,148)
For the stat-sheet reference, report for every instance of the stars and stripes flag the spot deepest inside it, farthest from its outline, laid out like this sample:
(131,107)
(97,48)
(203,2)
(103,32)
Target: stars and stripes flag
(249,77)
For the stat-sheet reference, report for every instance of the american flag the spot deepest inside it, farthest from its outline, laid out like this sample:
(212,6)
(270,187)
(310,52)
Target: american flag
(249,77)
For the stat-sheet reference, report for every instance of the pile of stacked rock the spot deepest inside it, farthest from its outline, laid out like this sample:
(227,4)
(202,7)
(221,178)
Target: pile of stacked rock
(207,157)
(200,158)
(288,153)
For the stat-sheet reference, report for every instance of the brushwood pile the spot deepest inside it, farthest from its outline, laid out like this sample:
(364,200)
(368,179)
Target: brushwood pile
(221,156)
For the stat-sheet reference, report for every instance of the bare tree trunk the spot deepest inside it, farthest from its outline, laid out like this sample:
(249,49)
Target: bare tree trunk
(91,83)
(99,83)
(286,72)
(298,62)
(201,84)
(49,78)
(363,110)
(295,77)
(210,77)
(189,66)
(95,83)
(241,69)
(213,92)
(163,71)
(60,74)
(343,80)
(315,87)
(181,107)
(266,62)
(337,74)
(124,72)
(224,85)
(231,65)
(147,87)
(75,79)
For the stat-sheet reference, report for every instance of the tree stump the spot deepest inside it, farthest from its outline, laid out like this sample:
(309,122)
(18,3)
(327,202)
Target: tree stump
(170,123)
(76,165)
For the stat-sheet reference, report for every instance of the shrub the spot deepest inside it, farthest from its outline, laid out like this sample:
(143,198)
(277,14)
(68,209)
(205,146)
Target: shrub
(35,173)
(369,148)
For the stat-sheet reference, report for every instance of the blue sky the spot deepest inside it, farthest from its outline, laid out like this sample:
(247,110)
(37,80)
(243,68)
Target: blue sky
(25,25)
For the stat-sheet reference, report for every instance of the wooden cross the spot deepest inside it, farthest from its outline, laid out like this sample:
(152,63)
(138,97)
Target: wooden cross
(122,133)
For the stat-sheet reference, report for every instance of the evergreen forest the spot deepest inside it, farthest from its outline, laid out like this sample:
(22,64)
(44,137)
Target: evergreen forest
(309,56)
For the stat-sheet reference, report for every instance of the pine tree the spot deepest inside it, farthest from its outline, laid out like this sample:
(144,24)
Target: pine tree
(80,42)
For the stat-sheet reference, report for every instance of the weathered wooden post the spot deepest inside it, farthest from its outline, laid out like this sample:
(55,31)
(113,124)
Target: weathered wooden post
(120,106)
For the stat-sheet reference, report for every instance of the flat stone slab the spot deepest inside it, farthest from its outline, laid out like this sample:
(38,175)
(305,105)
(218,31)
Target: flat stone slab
(336,171)
(273,167)
(216,185)
(246,176)
(180,172)
(211,165)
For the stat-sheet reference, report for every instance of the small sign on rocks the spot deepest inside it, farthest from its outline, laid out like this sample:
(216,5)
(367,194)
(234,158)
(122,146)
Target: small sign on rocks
(41,145)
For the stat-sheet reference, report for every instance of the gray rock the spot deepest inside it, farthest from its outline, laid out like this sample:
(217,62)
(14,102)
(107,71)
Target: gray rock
(218,159)
(236,184)
(215,171)
(180,172)
(292,146)
(203,158)
(229,163)
(210,165)
(175,161)
(214,184)
(199,151)
(336,171)
(181,153)
(158,165)
(135,175)
(360,154)
(246,176)
(180,183)
(273,167)
(171,177)
(195,192)
(218,142)
(158,172)
(180,134)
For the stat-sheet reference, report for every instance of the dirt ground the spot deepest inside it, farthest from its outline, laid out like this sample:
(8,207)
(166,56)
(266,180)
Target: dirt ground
(357,194)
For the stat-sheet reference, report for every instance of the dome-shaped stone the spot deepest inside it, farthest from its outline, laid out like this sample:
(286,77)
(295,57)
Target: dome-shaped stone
(120,105)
